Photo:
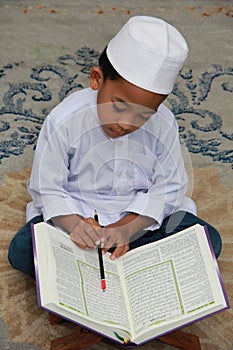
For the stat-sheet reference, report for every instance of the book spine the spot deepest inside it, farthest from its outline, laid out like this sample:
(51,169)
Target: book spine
(35,264)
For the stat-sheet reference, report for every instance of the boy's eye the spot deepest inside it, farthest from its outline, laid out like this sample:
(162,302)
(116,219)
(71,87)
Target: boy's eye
(118,109)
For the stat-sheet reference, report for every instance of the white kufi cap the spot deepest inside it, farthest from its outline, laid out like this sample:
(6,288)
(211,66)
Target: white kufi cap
(149,53)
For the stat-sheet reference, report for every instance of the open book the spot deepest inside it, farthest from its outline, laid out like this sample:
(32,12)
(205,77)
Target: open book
(151,290)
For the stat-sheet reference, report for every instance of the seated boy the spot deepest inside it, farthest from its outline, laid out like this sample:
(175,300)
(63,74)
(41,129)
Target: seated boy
(114,148)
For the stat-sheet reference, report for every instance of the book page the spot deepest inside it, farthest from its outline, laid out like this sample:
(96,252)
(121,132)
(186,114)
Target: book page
(166,280)
(77,276)
(152,289)
(192,277)
(109,306)
(68,279)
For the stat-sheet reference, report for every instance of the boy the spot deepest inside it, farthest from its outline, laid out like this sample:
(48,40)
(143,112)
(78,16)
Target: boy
(114,148)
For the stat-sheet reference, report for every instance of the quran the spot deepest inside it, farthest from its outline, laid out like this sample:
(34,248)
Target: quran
(151,290)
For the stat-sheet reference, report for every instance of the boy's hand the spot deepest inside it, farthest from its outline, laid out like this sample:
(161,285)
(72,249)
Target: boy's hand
(119,233)
(87,233)
(116,237)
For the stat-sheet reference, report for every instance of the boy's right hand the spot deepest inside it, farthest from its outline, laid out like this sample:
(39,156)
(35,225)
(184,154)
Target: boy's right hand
(87,233)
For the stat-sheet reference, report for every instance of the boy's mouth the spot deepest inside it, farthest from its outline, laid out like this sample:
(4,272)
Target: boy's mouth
(115,133)
(115,130)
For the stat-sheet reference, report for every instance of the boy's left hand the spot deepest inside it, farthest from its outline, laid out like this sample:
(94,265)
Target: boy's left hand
(119,233)
(115,237)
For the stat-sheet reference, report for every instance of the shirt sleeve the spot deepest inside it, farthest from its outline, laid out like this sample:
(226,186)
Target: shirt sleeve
(50,171)
(166,195)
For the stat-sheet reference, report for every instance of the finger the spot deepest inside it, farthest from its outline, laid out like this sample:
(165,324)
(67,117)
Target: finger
(82,246)
(92,222)
(119,251)
(114,241)
(78,240)
(97,234)
(107,244)
(124,250)
(84,235)
(90,236)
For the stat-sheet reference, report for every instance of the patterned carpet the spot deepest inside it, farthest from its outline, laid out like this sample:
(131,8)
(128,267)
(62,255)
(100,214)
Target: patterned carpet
(26,103)
(202,103)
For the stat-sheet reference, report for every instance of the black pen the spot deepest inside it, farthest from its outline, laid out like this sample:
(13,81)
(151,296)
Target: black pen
(101,264)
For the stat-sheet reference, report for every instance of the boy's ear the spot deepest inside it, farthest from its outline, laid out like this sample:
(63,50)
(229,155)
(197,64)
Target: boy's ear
(96,78)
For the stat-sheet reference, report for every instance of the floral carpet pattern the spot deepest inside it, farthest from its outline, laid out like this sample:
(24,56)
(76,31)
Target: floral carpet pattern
(202,103)
(29,102)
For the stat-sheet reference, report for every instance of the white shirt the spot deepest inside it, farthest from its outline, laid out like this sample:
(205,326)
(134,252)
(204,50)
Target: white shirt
(77,168)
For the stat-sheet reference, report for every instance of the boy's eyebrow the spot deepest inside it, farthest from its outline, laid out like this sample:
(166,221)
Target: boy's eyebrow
(128,105)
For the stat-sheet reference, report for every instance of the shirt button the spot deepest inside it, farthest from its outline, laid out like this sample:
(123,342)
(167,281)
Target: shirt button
(120,143)
(119,174)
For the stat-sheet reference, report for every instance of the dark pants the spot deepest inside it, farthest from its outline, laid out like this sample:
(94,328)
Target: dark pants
(20,253)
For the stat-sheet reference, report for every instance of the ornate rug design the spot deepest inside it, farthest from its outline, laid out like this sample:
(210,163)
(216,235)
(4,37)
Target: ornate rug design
(26,104)
(27,95)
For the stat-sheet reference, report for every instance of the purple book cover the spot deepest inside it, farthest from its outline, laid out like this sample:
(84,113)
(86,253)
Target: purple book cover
(216,267)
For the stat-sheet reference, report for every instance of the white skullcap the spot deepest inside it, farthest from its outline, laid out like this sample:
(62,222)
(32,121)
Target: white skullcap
(149,53)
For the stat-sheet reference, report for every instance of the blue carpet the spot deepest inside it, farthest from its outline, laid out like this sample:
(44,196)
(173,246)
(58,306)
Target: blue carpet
(31,100)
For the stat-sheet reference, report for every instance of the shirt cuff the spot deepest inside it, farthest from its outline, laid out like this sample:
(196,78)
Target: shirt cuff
(143,205)
(58,206)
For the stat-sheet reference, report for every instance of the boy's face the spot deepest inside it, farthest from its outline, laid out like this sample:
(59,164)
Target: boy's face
(122,107)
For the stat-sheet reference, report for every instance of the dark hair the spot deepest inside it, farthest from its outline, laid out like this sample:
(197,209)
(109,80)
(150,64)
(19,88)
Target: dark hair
(107,68)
